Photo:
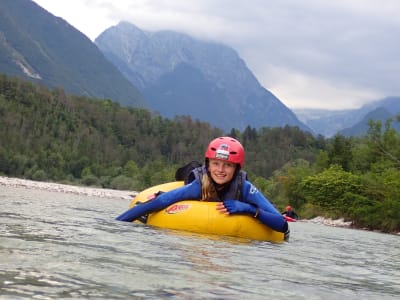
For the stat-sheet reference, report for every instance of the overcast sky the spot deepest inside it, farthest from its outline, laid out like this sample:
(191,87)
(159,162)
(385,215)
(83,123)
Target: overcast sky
(310,53)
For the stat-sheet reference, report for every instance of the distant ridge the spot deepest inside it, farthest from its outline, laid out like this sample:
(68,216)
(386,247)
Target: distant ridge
(352,122)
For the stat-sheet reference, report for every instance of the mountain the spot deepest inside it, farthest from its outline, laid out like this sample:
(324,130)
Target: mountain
(38,46)
(329,122)
(180,75)
(379,114)
(352,122)
(382,110)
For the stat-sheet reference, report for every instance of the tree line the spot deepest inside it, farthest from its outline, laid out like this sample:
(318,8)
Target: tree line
(51,136)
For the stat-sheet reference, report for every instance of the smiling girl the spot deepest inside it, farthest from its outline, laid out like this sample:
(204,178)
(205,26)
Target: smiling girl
(222,180)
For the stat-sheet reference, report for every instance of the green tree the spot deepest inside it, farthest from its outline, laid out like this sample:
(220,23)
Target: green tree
(328,189)
(339,152)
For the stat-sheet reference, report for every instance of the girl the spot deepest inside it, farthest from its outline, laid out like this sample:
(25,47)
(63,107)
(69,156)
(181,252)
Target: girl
(221,179)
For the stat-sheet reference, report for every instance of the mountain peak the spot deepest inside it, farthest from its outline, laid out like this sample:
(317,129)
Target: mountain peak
(181,75)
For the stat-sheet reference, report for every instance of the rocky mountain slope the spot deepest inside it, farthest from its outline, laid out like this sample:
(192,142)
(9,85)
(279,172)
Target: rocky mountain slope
(38,46)
(180,75)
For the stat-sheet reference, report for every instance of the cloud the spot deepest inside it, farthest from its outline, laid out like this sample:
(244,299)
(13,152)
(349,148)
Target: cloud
(310,53)
(311,92)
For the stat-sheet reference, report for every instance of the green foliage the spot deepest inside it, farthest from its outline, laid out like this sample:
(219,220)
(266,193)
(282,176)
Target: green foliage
(122,182)
(285,184)
(48,135)
(380,205)
(340,152)
(328,189)
(322,161)
(354,178)
(269,149)
(94,141)
(384,145)
(90,179)
(39,175)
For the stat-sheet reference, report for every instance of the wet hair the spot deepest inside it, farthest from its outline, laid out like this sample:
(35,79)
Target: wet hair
(208,192)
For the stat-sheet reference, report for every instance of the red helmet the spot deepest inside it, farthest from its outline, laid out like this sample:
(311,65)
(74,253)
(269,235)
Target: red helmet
(226,148)
(288,208)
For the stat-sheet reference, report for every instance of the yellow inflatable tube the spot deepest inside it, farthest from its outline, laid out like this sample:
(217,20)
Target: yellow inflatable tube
(202,217)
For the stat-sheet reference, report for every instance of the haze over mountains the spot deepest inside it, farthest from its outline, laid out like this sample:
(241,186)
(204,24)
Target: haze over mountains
(168,72)
(353,122)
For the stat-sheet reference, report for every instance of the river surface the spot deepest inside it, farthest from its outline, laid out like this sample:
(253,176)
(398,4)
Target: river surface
(65,246)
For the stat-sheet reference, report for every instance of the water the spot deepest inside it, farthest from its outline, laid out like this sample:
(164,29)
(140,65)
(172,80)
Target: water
(56,245)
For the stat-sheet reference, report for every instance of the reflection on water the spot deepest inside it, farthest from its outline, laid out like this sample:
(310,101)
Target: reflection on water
(55,245)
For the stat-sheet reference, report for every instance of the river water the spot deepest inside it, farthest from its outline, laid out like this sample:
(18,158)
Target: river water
(55,245)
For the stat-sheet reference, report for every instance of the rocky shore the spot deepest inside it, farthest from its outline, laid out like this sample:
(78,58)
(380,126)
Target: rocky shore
(330,222)
(65,188)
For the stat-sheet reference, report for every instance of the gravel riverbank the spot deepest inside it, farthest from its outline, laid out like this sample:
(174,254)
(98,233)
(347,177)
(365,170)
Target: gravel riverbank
(65,188)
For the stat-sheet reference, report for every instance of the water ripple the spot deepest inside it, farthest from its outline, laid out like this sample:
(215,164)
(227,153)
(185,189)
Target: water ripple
(55,245)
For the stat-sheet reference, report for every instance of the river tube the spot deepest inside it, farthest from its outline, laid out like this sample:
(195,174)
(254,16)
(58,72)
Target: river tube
(202,217)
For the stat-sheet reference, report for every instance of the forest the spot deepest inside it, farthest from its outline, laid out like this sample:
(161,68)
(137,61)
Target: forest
(47,135)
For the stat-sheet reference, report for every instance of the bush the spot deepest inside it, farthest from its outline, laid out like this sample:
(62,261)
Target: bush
(122,183)
(39,175)
(90,180)
(328,188)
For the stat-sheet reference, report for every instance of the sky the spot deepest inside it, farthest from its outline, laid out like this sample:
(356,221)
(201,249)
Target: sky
(319,54)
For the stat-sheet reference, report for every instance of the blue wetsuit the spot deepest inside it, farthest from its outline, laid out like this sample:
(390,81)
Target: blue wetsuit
(253,203)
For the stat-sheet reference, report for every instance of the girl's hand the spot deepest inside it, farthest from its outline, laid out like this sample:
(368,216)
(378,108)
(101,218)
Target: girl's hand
(221,208)
(235,207)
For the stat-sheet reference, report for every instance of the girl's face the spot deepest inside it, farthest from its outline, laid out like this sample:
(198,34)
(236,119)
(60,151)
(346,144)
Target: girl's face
(221,171)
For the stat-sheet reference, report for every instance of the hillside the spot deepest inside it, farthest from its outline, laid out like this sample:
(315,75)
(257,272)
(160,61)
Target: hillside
(38,46)
(47,134)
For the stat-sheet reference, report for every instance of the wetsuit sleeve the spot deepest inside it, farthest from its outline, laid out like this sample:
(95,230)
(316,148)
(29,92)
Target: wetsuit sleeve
(253,196)
(267,213)
(190,191)
(274,221)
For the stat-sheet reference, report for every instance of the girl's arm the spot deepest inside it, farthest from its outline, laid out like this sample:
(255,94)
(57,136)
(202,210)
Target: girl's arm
(253,196)
(257,205)
(190,191)
(272,220)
